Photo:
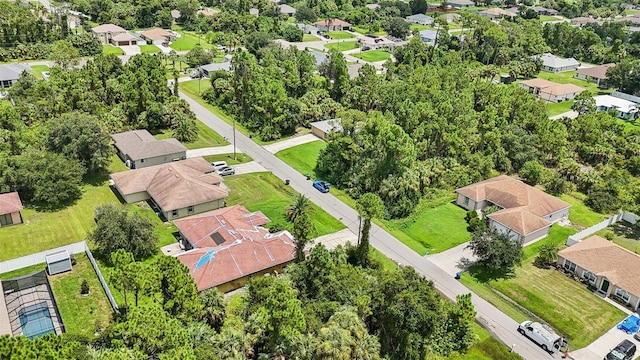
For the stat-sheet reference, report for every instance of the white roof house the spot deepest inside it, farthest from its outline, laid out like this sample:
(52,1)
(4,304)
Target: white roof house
(421,19)
(287,9)
(428,36)
(554,64)
(625,109)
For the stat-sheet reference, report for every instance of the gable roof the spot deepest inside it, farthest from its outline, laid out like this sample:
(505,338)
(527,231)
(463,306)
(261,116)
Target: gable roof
(622,105)
(419,17)
(598,72)
(156,34)
(140,144)
(226,66)
(231,243)
(583,20)
(429,34)
(552,88)
(328,125)
(320,57)
(334,22)
(552,61)
(604,258)
(125,36)
(12,71)
(450,16)
(174,185)
(523,206)
(10,203)
(104,28)
(287,9)
(496,12)
(372,6)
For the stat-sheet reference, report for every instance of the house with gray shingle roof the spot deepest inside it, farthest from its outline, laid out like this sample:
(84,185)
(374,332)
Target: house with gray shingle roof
(421,19)
(10,73)
(555,64)
(139,149)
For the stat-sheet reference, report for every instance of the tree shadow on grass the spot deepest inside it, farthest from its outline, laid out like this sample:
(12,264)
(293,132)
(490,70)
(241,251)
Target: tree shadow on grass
(626,230)
(484,275)
(96,179)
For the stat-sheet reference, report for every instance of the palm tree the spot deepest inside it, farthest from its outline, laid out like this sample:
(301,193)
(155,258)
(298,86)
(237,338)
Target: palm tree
(300,205)
(213,307)
(185,129)
(369,206)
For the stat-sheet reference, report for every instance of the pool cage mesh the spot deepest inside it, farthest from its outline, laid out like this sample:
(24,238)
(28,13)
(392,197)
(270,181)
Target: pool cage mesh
(27,297)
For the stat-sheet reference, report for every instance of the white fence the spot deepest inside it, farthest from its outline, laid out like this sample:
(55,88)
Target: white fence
(626,216)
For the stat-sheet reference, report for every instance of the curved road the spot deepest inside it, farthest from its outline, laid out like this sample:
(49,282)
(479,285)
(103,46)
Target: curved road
(502,326)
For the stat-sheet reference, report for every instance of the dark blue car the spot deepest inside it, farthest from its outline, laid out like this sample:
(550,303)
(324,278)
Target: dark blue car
(322,186)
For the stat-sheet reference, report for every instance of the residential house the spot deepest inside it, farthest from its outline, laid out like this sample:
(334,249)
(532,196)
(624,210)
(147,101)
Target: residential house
(322,128)
(207,70)
(525,214)
(582,21)
(612,270)
(496,13)
(308,29)
(633,20)
(319,56)
(544,11)
(596,74)
(158,36)
(75,19)
(460,4)
(229,246)
(376,43)
(624,109)
(106,32)
(333,25)
(373,7)
(354,69)
(551,91)
(10,207)
(176,190)
(287,9)
(421,19)
(10,73)
(139,149)
(555,64)
(450,17)
(429,37)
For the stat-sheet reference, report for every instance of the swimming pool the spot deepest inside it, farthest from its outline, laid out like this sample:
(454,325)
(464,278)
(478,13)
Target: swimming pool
(35,320)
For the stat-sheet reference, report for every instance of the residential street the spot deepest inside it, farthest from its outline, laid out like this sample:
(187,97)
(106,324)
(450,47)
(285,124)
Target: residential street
(499,323)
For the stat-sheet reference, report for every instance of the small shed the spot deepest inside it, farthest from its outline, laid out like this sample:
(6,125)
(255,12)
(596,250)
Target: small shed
(58,262)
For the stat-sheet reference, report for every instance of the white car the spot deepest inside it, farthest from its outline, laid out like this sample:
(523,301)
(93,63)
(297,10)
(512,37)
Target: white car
(542,335)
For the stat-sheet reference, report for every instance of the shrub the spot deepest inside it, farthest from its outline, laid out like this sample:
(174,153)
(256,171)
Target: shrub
(84,287)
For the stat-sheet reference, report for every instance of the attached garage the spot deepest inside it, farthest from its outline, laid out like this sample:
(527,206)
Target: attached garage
(58,262)
(322,128)
(124,39)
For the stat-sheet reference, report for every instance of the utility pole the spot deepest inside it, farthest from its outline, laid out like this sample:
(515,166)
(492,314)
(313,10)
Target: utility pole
(359,228)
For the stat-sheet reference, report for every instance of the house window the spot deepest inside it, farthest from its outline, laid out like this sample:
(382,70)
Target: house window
(569,265)
(466,201)
(141,160)
(174,213)
(6,220)
(622,294)
(588,275)
(190,209)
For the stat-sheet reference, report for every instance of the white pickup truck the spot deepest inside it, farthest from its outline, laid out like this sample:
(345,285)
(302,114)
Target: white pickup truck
(542,335)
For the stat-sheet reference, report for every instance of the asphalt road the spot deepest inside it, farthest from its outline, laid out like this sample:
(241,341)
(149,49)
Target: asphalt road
(502,326)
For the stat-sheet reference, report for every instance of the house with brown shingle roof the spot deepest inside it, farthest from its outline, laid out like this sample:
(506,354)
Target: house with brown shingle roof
(176,190)
(158,36)
(10,207)
(526,213)
(551,91)
(139,149)
(611,269)
(333,25)
(228,246)
(106,32)
(596,74)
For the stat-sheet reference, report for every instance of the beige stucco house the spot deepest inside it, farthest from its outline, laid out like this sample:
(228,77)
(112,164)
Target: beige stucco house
(176,190)
(551,91)
(107,32)
(10,207)
(612,270)
(139,149)
(526,213)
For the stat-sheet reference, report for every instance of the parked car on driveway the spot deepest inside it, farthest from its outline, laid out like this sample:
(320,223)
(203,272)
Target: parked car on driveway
(195,75)
(322,186)
(542,335)
(219,164)
(226,170)
(623,351)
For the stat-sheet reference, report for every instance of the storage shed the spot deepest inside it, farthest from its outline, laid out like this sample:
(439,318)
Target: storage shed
(58,262)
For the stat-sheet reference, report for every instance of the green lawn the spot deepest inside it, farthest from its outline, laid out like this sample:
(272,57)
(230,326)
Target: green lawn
(566,77)
(434,226)
(265,192)
(342,46)
(629,125)
(419,27)
(188,40)
(81,315)
(241,158)
(486,347)
(110,49)
(206,137)
(559,108)
(580,214)
(303,157)
(24,271)
(37,70)
(545,18)
(364,30)
(149,49)
(309,37)
(338,35)
(373,55)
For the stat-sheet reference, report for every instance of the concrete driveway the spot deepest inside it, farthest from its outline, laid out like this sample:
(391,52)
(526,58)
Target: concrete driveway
(288,143)
(131,50)
(453,260)
(599,348)
(249,167)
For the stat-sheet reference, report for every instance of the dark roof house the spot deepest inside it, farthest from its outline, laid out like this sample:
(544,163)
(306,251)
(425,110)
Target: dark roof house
(10,73)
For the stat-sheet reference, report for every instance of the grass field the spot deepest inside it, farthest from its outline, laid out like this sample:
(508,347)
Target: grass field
(303,157)
(206,137)
(187,41)
(364,30)
(240,158)
(342,46)
(485,348)
(149,49)
(373,55)
(580,214)
(81,314)
(309,37)
(566,77)
(545,18)
(110,49)
(419,27)
(339,35)
(37,70)
(559,108)
(267,193)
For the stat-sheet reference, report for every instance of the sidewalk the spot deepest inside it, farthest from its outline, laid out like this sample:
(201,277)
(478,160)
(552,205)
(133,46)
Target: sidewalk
(289,143)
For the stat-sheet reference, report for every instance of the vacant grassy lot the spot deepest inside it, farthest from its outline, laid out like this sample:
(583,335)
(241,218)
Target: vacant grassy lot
(373,55)
(434,226)
(149,49)
(558,108)
(309,38)
(580,214)
(338,35)
(419,27)
(206,137)
(623,234)
(187,41)
(37,70)
(342,46)
(110,49)
(364,30)
(567,78)
(545,18)
(267,193)
(81,315)
(241,158)
(303,157)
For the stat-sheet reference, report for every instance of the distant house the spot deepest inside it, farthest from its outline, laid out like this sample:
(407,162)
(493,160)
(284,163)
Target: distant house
(526,213)
(333,25)
(112,34)
(158,36)
(322,128)
(624,109)
(450,17)
(230,245)
(176,190)
(10,207)
(373,7)
(139,149)
(544,11)
(496,13)
(380,42)
(353,70)
(428,37)
(206,70)
(421,19)
(308,29)
(582,21)
(319,56)
(460,4)
(611,269)
(287,9)
(633,20)
(596,74)
(207,12)
(10,73)
(555,64)
(551,91)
